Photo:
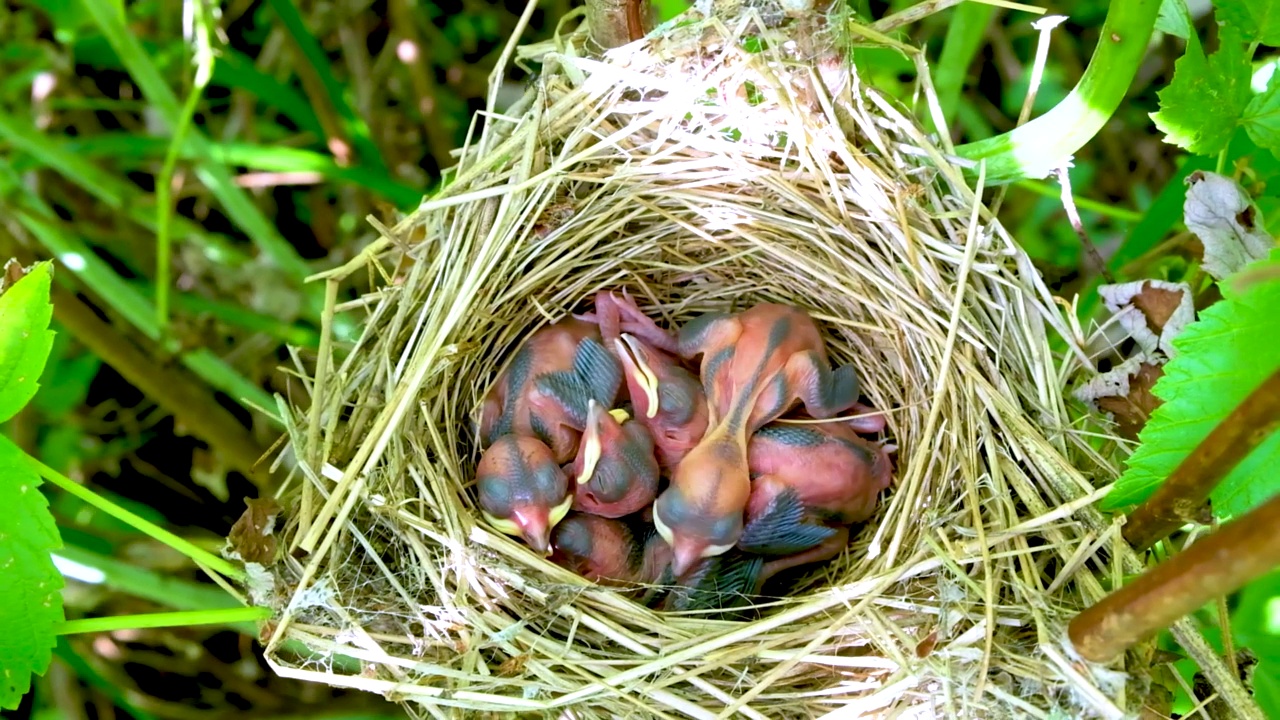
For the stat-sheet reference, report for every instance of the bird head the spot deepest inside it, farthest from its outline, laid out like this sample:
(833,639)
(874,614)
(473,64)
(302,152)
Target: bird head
(521,490)
(694,532)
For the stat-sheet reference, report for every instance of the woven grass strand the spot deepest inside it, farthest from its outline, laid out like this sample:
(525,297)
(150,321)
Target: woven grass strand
(725,160)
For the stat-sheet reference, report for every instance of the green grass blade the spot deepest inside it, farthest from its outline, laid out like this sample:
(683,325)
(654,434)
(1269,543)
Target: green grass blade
(964,37)
(228,616)
(157,587)
(203,41)
(234,200)
(75,255)
(236,70)
(182,545)
(262,158)
(41,151)
(1046,143)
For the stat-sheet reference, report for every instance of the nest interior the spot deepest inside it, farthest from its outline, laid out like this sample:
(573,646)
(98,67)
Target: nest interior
(730,158)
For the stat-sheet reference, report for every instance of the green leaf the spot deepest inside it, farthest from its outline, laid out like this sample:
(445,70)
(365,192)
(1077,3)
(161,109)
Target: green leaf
(1202,106)
(1221,358)
(30,606)
(1262,116)
(1175,19)
(1256,20)
(25,338)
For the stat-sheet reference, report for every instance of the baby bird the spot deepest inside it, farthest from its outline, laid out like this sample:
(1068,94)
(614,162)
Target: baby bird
(756,365)
(615,472)
(616,316)
(522,490)
(668,399)
(808,478)
(545,391)
(609,551)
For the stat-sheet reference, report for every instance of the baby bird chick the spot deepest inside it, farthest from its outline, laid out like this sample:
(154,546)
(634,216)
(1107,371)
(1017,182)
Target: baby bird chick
(609,551)
(545,391)
(615,472)
(756,365)
(807,479)
(522,490)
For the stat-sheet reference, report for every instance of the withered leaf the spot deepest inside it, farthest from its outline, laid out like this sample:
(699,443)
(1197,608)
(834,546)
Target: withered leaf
(1153,312)
(13,272)
(253,537)
(1229,225)
(1125,393)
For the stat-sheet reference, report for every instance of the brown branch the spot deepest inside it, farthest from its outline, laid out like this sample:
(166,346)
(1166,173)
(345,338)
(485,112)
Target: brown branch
(171,388)
(1184,493)
(1218,564)
(618,22)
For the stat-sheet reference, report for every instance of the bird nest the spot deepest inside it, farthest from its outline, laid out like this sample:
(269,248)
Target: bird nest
(727,159)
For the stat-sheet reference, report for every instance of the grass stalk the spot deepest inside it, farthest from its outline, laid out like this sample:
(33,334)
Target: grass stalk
(159,620)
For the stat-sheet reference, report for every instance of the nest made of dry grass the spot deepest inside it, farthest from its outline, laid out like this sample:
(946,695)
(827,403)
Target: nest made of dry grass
(727,160)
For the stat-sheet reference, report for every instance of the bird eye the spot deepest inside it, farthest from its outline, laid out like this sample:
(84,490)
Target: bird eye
(494,492)
(726,527)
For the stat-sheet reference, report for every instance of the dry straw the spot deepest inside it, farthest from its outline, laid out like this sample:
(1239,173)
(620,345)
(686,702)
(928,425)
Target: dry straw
(727,160)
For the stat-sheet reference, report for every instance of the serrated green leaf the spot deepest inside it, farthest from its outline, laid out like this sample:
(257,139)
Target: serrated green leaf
(1262,116)
(1255,20)
(1175,19)
(1202,105)
(25,338)
(30,606)
(1221,358)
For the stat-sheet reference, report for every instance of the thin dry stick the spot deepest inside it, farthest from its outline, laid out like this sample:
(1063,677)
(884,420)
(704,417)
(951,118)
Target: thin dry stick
(1221,563)
(1181,496)
(1073,215)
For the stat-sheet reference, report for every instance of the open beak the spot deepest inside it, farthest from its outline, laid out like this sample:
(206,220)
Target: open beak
(633,358)
(590,443)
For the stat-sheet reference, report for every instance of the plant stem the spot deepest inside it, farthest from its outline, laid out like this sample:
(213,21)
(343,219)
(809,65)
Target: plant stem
(618,22)
(1034,150)
(202,39)
(1218,564)
(1182,495)
(169,619)
(145,526)
(165,589)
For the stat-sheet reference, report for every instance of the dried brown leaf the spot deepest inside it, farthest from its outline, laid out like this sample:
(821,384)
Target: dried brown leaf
(253,538)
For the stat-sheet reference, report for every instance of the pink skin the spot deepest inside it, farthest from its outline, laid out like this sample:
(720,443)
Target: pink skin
(838,479)
(668,399)
(605,551)
(599,549)
(520,402)
(616,316)
(521,489)
(756,365)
